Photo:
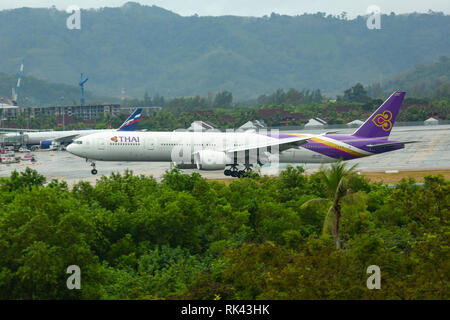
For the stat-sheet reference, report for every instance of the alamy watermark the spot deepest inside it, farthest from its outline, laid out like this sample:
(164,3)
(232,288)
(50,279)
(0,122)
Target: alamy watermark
(74,280)
(228,148)
(74,20)
(374,281)
(374,20)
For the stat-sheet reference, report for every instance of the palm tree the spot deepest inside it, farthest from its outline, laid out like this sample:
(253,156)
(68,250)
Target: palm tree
(336,179)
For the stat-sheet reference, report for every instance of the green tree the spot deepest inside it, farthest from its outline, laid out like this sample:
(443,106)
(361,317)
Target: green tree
(336,179)
(357,93)
(26,179)
(223,99)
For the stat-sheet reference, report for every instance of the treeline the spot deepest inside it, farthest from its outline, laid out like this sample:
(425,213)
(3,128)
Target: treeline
(256,238)
(292,97)
(181,112)
(223,99)
(294,108)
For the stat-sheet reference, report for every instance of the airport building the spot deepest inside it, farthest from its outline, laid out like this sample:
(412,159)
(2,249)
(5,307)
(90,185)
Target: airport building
(8,111)
(87,112)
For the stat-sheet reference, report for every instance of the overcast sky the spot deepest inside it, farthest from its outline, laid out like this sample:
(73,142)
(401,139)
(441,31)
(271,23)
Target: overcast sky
(250,7)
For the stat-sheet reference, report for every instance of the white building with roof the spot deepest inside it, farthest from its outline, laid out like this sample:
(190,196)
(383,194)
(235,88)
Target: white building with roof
(355,123)
(252,125)
(315,122)
(431,121)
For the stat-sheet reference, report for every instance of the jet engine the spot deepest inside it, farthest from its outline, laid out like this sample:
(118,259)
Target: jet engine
(45,144)
(211,160)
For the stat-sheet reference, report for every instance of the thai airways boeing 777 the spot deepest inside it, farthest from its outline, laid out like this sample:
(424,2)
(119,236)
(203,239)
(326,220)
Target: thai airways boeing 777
(219,150)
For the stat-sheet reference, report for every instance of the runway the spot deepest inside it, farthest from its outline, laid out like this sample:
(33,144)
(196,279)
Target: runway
(432,152)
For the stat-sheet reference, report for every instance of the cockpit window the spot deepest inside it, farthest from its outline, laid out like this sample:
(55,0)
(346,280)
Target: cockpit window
(78,142)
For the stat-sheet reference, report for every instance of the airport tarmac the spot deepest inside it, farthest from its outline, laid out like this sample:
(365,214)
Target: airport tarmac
(432,152)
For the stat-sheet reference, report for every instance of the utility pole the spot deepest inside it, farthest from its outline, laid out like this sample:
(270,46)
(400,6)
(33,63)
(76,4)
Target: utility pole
(28,108)
(64,110)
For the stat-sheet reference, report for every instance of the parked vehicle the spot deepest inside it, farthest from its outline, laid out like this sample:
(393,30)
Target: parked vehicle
(28,157)
(8,157)
(23,149)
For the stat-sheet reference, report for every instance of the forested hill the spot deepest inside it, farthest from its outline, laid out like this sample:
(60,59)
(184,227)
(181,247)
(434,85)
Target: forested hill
(142,48)
(35,91)
(423,80)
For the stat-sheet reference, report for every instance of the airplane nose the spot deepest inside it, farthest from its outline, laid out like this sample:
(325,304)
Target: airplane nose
(71,148)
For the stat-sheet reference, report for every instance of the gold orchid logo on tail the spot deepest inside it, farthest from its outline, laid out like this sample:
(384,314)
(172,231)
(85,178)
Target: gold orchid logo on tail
(383,120)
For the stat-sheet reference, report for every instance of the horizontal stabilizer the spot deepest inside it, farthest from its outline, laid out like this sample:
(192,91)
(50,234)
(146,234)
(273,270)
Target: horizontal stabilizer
(381,145)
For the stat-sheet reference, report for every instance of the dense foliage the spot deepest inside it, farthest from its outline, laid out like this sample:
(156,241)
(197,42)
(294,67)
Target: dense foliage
(185,237)
(141,48)
(181,112)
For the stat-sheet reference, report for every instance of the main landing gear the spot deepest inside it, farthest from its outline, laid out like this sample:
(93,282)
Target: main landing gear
(236,173)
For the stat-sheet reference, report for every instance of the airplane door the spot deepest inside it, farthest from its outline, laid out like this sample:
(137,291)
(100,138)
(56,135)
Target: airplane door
(150,144)
(150,147)
(101,145)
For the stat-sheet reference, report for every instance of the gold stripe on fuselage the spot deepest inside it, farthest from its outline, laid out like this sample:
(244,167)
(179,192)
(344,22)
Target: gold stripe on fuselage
(333,145)
(338,147)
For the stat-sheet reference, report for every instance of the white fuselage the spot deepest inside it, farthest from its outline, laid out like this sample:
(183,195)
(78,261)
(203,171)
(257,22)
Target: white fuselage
(33,138)
(177,147)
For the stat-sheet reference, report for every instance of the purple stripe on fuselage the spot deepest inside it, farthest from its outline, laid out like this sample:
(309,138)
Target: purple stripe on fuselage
(362,143)
(330,151)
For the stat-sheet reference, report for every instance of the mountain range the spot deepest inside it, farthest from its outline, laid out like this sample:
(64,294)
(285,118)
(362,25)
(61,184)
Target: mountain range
(135,49)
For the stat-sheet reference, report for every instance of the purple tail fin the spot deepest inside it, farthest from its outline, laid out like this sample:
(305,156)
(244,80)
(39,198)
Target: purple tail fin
(381,121)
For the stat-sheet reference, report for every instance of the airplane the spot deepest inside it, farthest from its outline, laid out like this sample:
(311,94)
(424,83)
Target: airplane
(219,150)
(44,139)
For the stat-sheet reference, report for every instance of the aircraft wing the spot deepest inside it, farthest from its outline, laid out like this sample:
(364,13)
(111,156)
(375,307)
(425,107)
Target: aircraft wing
(68,138)
(381,145)
(283,144)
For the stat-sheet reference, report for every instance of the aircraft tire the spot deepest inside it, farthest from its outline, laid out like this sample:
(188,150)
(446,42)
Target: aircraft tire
(94,171)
